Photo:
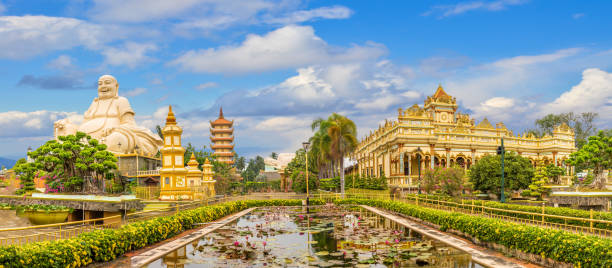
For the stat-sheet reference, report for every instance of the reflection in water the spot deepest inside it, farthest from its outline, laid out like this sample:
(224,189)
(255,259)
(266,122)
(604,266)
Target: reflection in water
(330,236)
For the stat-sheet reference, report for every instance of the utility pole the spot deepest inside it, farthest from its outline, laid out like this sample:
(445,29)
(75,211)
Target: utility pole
(502,151)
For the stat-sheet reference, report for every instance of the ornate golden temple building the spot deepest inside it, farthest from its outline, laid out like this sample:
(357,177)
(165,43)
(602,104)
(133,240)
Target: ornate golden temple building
(444,137)
(222,137)
(177,181)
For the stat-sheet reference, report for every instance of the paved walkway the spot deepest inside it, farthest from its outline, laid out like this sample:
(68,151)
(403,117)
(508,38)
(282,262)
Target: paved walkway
(478,255)
(149,256)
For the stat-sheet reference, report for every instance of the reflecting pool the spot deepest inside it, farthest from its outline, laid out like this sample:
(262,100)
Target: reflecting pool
(328,236)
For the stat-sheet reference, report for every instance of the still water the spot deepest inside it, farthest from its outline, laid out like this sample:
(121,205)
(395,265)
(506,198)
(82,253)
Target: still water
(328,236)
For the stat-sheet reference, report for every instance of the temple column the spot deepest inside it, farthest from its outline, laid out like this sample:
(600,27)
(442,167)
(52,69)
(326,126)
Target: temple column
(447,157)
(433,155)
(409,169)
(555,158)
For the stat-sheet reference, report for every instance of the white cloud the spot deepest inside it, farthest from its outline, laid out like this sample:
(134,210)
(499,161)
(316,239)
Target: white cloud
(411,94)
(578,16)
(334,12)
(517,75)
(521,61)
(380,103)
(208,15)
(130,54)
(592,94)
(135,92)
(287,47)
(139,10)
(31,124)
(498,102)
(282,123)
(157,81)
(62,62)
(206,85)
(442,11)
(28,36)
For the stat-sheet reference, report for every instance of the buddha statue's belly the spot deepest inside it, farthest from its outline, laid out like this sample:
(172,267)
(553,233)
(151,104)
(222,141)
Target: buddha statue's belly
(95,126)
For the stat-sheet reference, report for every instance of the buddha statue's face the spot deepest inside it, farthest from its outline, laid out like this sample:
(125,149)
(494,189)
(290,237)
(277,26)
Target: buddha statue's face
(107,87)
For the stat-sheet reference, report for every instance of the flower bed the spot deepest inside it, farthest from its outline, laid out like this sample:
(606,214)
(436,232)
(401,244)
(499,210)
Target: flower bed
(557,211)
(108,244)
(5,206)
(580,250)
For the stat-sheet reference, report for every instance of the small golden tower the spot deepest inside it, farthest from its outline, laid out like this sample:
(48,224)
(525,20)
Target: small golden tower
(194,174)
(208,180)
(173,172)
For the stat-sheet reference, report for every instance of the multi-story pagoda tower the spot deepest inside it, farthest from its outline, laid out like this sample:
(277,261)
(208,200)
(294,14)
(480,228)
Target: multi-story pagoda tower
(222,137)
(173,172)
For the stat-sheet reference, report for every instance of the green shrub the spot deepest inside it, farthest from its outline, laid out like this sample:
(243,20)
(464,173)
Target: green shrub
(108,244)
(556,211)
(577,249)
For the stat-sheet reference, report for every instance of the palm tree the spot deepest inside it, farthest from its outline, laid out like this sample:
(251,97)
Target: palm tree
(319,151)
(342,134)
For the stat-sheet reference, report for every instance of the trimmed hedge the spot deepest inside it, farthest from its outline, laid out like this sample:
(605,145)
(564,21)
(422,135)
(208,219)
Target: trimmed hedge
(108,244)
(558,211)
(580,250)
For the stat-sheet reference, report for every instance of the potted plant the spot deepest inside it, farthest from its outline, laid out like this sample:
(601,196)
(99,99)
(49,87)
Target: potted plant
(47,214)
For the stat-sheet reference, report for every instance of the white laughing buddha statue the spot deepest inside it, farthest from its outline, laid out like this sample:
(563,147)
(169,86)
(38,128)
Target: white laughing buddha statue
(110,120)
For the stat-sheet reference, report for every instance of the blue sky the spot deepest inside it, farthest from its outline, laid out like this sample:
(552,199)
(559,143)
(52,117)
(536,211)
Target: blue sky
(276,65)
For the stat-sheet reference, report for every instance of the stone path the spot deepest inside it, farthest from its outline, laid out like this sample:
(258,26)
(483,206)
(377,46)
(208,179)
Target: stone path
(149,256)
(478,255)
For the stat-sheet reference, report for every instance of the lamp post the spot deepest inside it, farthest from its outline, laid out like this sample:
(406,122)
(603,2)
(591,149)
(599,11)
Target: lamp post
(306,145)
(502,151)
(418,150)
(137,178)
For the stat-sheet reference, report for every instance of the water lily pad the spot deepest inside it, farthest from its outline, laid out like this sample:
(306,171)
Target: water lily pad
(322,253)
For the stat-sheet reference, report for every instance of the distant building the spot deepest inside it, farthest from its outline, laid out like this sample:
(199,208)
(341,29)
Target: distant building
(222,137)
(437,135)
(275,169)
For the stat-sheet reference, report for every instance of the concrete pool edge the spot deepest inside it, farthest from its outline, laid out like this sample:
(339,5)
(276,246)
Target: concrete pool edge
(156,253)
(478,256)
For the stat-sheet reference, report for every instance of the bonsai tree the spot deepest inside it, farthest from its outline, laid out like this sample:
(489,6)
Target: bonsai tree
(540,178)
(74,163)
(554,173)
(26,172)
(597,155)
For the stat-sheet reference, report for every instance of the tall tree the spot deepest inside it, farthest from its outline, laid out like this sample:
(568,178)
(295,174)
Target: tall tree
(240,163)
(159,131)
(274,155)
(485,175)
(581,123)
(342,134)
(596,154)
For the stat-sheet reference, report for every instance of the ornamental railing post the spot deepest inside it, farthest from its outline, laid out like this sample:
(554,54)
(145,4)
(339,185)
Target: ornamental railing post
(542,213)
(591,220)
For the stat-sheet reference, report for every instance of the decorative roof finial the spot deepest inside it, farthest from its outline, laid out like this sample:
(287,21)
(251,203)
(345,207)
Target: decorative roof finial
(170,120)
(221,112)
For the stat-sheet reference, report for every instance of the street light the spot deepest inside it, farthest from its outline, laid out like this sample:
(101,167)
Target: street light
(137,178)
(306,145)
(418,150)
